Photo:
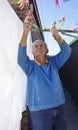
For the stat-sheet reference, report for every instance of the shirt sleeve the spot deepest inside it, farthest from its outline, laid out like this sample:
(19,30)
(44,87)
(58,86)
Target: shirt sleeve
(63,55)
(23,60)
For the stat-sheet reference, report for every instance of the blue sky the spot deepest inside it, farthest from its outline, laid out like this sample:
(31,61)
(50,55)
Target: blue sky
(49,13)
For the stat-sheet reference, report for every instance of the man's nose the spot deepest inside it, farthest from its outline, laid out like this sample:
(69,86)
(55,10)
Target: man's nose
(39,46)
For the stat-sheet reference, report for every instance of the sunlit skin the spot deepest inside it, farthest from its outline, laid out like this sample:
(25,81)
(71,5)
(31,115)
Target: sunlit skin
(40,51)
(28,22)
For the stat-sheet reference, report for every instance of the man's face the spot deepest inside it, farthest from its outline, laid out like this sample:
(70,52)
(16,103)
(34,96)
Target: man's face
(39,49)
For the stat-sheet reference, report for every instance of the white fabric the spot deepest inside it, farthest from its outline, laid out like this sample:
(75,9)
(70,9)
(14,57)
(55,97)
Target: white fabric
(12,79)
(29,46)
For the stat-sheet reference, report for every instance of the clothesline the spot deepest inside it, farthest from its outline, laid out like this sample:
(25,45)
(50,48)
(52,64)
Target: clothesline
(60,30)
(63,31)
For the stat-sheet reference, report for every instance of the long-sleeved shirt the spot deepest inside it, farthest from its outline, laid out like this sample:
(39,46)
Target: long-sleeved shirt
(44,88)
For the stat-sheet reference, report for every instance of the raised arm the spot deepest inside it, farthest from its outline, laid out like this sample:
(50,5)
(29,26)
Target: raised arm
(65,52)
(23,59)
(26,28)
(55,33)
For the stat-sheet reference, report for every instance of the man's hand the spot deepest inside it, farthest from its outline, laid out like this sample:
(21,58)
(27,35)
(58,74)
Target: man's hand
(27,24)
(53,29)
(55,33)
(26,28)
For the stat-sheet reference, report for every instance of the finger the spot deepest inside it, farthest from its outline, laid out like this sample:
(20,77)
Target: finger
(27,25)
(26,22)
(54,23)
(29,18)
(52,29)
(53,26)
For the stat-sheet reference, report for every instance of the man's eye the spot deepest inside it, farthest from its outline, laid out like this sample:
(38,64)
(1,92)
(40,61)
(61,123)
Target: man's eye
(36,46)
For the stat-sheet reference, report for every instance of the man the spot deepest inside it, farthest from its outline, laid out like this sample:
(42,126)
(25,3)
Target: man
(45,97)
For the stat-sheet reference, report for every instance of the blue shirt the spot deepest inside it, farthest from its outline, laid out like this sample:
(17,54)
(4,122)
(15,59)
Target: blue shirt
(44,88)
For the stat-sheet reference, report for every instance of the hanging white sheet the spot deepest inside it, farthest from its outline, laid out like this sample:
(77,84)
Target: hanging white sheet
(12,78)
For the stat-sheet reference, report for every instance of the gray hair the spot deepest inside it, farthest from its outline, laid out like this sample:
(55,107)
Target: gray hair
(37,41)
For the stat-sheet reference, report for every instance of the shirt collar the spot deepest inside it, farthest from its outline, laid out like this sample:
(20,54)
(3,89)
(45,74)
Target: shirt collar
(40,63)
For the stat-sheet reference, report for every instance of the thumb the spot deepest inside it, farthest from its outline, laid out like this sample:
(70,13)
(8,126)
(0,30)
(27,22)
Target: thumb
(54,23)
(29,18)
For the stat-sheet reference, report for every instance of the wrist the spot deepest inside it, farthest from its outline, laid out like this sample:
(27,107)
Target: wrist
(59,39)
(23,41)
(25,34)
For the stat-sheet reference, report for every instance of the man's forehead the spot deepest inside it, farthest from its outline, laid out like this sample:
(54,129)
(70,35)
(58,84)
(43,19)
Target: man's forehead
(40,42)
(36,42)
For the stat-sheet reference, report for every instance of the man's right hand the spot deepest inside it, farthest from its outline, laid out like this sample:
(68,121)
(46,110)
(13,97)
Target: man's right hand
(27,24)
(26,28)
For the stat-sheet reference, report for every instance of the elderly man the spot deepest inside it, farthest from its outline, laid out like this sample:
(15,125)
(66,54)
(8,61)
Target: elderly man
(45,96)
